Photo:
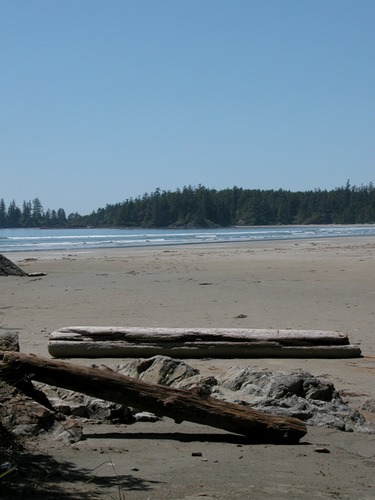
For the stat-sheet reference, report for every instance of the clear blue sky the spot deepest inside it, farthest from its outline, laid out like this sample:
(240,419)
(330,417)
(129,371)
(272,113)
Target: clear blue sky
(103,100)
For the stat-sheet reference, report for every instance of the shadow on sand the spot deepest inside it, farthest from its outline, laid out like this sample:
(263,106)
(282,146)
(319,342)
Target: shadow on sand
(38,475)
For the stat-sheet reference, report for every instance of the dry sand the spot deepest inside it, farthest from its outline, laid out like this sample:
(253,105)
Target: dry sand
(314,284)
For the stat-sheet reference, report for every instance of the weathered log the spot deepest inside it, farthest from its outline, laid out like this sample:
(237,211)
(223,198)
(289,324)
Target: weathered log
(86,341)
(161,400)
(283,336)
(109,349)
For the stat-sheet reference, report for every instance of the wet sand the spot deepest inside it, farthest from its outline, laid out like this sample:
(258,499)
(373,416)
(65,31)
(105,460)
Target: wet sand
(310,284)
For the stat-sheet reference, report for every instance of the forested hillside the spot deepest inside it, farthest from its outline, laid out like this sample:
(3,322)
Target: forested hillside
(203,207)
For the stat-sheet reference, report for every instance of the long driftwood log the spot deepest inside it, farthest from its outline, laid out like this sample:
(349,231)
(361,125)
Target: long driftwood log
(90,341)
(161,400)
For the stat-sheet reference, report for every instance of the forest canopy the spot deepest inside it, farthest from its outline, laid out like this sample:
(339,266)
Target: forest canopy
(204,207)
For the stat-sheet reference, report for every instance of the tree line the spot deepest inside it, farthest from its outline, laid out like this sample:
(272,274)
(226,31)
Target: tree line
(203,207)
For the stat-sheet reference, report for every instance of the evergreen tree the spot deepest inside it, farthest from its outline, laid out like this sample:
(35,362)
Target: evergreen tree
(61,217)
(13,215)
(3,213)
(37,212)
(26,218)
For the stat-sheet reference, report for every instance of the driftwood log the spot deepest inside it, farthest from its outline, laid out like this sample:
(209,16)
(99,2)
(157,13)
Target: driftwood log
(161,400)
(94,342)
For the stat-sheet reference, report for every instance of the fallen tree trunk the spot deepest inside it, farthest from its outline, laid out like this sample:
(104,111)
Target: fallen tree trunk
(149,334)
(86,341)
(161,400)
(100,349)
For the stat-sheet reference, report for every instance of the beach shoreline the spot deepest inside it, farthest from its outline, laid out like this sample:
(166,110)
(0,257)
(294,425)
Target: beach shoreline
(322,284)
(35,240)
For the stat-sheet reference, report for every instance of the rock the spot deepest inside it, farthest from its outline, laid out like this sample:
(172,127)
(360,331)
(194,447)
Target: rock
(60,406)
(9,342)
(158,370)
(369,405)
(69,431)
(78,410)
(204,384)
(22,415)
(8,268)
(80,405)
(108,412)
(298,394)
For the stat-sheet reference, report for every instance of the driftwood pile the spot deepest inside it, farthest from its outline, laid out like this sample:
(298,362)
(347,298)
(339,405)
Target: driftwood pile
(115,342)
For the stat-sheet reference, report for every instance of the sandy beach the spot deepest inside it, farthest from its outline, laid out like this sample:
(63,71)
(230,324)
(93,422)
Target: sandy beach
(311,284)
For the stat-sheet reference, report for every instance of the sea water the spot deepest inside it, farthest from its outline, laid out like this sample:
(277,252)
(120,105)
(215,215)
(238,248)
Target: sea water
(36,239)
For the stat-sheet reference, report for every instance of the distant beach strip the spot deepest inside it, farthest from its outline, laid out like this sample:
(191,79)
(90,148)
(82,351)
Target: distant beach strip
(36,239)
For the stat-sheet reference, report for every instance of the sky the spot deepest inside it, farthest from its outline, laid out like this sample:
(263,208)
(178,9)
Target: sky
(106,100)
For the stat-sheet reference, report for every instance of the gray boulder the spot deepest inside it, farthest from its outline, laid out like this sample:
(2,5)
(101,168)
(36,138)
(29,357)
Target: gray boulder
(297,394)
(158,370)
(8,268)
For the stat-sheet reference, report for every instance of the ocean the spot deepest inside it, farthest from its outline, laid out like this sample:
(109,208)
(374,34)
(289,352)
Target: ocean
(35,240)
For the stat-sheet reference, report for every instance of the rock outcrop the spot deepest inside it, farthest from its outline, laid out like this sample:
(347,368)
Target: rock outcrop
(8,268)
(298,394)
